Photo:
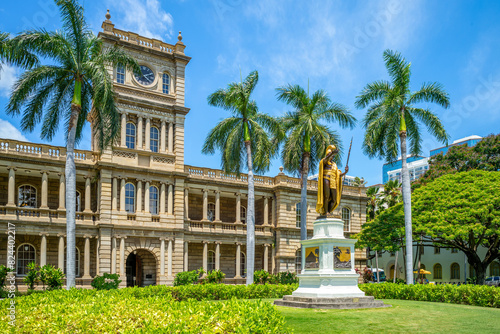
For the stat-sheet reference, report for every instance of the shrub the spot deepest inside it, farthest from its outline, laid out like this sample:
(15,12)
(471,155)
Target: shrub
(188,277)
(215,276)
(32,276)
(261,277)
(106,282)
(286,277)
(476,295)
(120,311)
(4,271)
(51,276)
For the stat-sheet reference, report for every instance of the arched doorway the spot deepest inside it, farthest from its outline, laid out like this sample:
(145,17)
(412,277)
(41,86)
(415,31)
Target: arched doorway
(140,268)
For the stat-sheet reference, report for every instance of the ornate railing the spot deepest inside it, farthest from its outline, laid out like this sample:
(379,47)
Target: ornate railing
(143,41)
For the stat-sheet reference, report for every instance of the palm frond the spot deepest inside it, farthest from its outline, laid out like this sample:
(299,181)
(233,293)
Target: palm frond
(431,92)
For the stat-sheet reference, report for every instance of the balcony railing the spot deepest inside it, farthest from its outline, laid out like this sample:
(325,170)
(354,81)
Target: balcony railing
(225,228)
(38,214)
(16,147)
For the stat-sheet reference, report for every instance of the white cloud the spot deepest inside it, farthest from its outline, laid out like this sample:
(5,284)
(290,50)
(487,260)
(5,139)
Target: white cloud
(8,76)
(9,131)
(145,18)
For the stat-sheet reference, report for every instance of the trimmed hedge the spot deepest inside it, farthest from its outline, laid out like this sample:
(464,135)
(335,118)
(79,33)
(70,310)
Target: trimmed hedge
(143,310)
(475,295)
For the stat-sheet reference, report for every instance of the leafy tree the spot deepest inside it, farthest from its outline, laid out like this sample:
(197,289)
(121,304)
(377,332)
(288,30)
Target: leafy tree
(460,210)
(392,113)
(305,137)
(241,138)
(359,182)
(76,87)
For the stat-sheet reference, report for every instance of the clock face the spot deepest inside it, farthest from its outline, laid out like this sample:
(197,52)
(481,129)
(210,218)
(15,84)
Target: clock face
(146,77)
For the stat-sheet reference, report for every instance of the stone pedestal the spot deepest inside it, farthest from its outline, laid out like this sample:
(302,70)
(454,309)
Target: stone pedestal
(328,278)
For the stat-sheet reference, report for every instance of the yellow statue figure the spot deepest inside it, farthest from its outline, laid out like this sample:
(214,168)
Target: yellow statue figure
(329,183)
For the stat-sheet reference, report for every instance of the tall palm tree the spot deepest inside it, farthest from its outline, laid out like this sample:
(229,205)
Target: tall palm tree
(305,137)
(392,112)
(76,86)
(391,195)
(373,204)
(241,138)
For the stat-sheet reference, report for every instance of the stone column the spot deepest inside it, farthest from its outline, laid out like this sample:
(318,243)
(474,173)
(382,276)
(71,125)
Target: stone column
(162,257)
(147,137)
(114,200)
(122,256)
(146,198)
(186,203)
(11,201)
(266,257)
(170,137)
(162,136)
(139,196)
(205,204)
(273,260)
(87,194)
(170,199)
(62,192)
(122,195)
(162,198)
(86,258)
(139,132)
(97,255)
(217,255)
(205,256)
(266,211)
(113,255)
(217,206)
(45,190)
(60,253)
(43,249)
(238,260)
(186,257)
(169,270)
(123,130)
(273,212)
(238,208)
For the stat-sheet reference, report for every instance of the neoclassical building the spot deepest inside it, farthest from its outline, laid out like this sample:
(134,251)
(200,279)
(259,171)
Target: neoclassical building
(141,212)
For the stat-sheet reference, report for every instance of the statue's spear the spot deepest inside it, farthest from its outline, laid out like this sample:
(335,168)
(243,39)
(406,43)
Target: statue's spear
(349,154)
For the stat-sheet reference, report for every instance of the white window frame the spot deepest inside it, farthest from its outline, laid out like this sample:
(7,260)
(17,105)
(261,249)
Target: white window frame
(211,211)
(30,200)
(211,260)
(120,74)
(130,207)
(130,139)
(166,86)
(26,261)
(348,219)
(153,202)
(298,217)
(154,143)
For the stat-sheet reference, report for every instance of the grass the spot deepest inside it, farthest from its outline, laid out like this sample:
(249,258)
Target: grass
(404,317)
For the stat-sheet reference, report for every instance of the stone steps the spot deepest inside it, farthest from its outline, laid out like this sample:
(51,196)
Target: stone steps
(331,303)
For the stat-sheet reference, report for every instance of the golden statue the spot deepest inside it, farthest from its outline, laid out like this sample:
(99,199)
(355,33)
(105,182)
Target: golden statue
(329,183)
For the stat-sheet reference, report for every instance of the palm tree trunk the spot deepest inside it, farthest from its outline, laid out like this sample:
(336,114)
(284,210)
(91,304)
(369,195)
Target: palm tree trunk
(250,217)
(303,196)
(376,264)
(70,198)
(395,267)
(407,210)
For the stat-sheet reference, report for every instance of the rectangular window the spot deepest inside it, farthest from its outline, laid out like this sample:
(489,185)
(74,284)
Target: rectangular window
(346,217)
(454,250)
(166,83)
(120,74)
(297,214)
(437,250)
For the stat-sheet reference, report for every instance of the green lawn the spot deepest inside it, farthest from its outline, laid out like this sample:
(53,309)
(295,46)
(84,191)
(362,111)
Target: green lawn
(404,317)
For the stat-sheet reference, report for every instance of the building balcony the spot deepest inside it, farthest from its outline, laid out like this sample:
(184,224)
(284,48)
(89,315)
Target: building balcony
(40,215)
(225,228)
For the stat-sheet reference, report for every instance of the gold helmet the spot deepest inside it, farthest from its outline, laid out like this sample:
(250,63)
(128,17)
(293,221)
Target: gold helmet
(330,149)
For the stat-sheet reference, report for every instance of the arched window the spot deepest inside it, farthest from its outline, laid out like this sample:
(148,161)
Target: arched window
(78,202)
(166,83)
(130,198)
(243,265)
(494,269)
(243,214)
(130,135)
(77,261)
(438,271)
(211,212)
(297,215)
(153,200)
(346,217)
(25,255)
(455,271)
(154,139)
(211,261)
(298,261)
(120,73)
(26,196)
(391,271)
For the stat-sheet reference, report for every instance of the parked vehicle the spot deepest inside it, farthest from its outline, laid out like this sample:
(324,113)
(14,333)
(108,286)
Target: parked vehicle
(493,281)
(375,272)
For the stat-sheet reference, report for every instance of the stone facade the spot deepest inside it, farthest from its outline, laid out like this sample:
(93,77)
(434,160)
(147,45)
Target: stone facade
(141,212)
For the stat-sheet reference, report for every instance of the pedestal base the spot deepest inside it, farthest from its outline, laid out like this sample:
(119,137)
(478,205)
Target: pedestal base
(331,303)
(328,286)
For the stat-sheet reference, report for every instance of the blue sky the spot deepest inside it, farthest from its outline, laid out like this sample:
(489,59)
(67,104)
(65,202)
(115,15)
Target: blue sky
(336,45)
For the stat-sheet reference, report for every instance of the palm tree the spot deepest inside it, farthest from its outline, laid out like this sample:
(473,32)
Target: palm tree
(15,56)
(391,195)
(359,182)
(373,204)
(305,137)
(392,113)
(242,137)
(76,86)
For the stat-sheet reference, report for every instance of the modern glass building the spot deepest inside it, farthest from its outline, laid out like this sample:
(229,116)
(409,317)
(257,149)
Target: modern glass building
(470,141)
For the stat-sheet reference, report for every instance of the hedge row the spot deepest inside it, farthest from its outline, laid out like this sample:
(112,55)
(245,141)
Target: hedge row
(117,311)
(476,295)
